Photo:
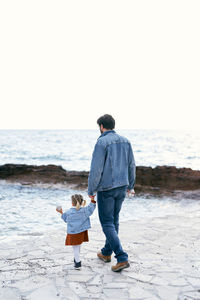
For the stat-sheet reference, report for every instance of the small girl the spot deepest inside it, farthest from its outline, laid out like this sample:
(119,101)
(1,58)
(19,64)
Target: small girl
(78,223)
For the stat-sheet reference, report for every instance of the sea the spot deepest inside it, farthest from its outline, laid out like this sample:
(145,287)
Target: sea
(31,210)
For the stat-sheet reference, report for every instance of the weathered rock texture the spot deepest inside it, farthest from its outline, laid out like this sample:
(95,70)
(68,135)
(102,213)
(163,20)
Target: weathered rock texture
(168,178)
(42,174)
(161,179)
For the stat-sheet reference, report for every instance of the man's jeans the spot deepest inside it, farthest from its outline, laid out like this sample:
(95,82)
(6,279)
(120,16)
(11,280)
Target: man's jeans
(109,206)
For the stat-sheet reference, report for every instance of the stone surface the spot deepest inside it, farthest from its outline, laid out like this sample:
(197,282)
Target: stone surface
(9,294)
(139,293)
(163,266)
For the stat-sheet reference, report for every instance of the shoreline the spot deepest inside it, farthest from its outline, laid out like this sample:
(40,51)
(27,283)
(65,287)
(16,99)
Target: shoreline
(163,253)
(158,181)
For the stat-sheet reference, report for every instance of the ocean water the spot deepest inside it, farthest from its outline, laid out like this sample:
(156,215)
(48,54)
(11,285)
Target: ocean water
(31,209)
(72,149)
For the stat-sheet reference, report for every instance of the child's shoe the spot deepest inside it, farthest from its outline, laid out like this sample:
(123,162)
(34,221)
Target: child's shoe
(77,266)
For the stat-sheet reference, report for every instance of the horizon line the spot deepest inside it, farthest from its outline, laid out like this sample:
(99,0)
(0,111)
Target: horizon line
(96,129)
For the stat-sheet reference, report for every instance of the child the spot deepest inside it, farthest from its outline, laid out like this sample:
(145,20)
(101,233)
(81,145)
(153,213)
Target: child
(78,223)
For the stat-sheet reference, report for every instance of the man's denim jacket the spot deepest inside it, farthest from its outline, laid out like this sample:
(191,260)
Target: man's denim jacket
(78,220)
(112,165)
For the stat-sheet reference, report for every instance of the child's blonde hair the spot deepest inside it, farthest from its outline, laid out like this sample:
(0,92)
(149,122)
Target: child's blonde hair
(78,201)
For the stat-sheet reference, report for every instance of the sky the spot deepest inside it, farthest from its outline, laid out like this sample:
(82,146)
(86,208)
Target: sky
(65,63)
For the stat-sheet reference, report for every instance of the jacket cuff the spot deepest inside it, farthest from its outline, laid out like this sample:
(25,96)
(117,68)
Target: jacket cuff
(90,193)
(130,188)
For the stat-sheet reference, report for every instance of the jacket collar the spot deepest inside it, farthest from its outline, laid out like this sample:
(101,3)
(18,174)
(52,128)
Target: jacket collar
(107,132)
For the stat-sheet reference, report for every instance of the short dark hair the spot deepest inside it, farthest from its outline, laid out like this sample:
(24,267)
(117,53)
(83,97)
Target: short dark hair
(107,121)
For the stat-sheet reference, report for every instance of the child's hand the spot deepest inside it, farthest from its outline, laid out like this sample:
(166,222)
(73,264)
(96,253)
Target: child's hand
(59,209)
(92,198)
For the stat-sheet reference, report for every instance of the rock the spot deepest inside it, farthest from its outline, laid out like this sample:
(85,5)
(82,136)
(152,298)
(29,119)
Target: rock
(137,293)
(193,295)
(166,180)
(168,292)
(140,277)
(167,177)
(67,293)
(116,285)
(116,293)
(194,281)
(78,278)
(53,174)
(31,283)
(46,292)
(9,294)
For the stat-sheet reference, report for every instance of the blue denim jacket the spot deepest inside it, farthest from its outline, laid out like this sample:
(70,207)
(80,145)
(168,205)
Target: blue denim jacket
(113,163)
(78,220)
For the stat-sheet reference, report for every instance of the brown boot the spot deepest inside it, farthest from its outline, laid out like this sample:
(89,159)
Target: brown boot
(120,266)
(104,257)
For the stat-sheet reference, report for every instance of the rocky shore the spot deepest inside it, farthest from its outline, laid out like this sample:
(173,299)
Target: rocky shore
(163,251)
(161,180)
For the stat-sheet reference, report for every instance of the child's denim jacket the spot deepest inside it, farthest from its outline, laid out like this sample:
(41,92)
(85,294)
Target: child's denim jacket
(78,220)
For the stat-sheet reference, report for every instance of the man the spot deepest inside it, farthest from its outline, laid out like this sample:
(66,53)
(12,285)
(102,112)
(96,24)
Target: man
(112,173)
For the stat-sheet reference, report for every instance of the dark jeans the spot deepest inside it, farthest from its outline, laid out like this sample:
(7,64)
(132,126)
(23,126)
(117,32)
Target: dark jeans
(109,206)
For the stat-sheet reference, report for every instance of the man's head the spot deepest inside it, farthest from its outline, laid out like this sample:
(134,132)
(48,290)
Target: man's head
(106,122)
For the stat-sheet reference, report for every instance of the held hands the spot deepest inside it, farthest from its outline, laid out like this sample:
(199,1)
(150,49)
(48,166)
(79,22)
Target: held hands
(59,209)
(92,197)
(131,193)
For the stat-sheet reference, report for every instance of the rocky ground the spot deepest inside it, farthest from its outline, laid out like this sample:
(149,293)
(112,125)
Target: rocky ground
(164,254)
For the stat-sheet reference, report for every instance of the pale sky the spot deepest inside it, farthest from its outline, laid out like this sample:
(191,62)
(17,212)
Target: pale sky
(65,63)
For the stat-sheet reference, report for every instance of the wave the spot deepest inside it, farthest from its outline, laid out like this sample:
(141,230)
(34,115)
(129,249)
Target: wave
(192,157)
(48,157)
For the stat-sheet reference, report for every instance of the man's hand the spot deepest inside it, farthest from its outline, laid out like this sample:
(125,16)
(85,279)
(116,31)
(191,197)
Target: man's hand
(92,197)
(59,209)
(131,193)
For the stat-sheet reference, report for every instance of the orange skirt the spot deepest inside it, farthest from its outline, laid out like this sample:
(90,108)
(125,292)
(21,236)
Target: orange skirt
(76,239)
